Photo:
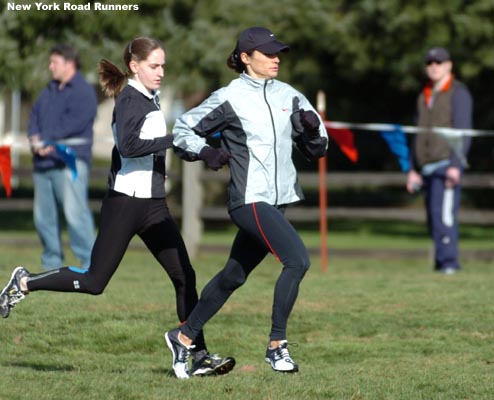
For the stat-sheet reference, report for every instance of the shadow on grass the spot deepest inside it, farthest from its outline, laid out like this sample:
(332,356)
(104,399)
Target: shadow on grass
(45,367)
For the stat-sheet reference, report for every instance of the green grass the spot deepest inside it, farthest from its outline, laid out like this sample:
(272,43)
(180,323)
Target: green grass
(344,234)
(366,329)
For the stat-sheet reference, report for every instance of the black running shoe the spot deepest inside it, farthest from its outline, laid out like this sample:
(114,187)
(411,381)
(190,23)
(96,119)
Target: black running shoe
(212,365)
(12,293)
(180,352)
(280,359)
(4,306)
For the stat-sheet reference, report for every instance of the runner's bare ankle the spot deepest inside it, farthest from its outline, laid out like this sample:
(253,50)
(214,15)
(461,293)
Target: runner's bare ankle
(184,339)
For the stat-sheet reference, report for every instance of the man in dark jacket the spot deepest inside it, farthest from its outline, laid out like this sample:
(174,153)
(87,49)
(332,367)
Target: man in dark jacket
(63,114)
(436,165)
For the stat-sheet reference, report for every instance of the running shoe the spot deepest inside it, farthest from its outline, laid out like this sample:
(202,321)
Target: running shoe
(280,359)
(212,365)
(180,353)
(12,293)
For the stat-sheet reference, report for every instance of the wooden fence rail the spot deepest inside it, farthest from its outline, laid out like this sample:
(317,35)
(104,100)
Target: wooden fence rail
(361,179)
(194,177)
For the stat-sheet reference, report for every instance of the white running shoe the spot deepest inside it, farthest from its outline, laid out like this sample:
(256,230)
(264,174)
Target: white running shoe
(180,352)
(280,359)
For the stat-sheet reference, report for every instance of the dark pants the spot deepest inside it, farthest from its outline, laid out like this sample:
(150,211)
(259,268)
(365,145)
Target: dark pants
(442,207)
(263,228)
(123,217)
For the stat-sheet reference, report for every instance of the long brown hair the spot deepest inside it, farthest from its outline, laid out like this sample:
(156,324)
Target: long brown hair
(112,79)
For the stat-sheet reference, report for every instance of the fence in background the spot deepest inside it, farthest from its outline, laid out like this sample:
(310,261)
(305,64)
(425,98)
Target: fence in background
(195,178)
(194,213)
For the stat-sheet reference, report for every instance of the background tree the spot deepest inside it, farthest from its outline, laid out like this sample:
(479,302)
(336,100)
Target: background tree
(367,55)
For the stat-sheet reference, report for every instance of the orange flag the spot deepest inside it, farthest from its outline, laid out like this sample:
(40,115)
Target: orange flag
(345,141)
(6,169)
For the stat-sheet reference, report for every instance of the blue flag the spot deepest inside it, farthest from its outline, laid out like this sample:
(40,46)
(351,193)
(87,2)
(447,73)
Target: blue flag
(397,142)
(67,155)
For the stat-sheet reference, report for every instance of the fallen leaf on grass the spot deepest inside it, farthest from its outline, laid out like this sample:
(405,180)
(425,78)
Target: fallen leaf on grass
(18,339)
(248,368)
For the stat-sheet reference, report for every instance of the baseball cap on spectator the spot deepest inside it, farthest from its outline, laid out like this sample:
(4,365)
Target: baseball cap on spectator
(261,39)
(438,54)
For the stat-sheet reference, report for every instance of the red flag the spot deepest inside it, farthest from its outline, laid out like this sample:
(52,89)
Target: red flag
(6,169)
(344,139)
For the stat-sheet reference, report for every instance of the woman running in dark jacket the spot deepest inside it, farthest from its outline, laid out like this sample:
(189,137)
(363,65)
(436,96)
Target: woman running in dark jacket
(135,203)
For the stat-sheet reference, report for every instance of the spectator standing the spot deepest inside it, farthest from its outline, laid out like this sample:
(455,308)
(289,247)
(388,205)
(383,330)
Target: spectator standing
(436,167)
(63,113)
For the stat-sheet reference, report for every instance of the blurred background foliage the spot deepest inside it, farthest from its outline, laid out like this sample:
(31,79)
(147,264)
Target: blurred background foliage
(367,55)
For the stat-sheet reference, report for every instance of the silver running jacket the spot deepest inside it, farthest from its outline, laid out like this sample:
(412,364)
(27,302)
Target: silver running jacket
(253,118)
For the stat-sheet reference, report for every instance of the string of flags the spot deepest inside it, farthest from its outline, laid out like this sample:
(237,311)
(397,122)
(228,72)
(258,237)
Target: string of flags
(66,154)
(395,137)
(341,132)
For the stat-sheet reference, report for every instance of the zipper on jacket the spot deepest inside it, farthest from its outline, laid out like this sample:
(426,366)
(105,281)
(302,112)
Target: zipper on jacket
(275,152)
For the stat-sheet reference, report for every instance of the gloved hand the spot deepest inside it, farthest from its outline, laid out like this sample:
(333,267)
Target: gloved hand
(214,158)
(309,120)
(304,122)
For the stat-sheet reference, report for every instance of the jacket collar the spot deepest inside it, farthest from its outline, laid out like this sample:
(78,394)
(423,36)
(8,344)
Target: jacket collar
(75,78)
(255,82)
(429,89)
(141,89)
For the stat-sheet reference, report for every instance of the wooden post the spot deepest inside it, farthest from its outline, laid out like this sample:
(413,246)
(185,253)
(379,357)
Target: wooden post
(323,202)
(192,225)
(15,128)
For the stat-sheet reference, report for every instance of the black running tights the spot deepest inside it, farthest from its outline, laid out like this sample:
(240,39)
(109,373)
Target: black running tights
(122,217)
(263,228)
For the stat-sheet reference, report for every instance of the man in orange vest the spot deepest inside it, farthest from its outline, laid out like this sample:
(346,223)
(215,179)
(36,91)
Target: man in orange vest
(436,167)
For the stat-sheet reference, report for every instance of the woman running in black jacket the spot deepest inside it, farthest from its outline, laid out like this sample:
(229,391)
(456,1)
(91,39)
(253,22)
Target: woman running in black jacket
(135,203)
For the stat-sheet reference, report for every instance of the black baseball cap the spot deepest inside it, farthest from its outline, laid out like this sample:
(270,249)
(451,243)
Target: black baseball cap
(261,39)
(439,54)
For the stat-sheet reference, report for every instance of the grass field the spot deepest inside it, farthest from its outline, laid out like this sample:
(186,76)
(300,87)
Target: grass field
(366,329)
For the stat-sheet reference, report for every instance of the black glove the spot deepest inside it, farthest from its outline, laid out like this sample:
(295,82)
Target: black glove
(304,122)
(309,120)
(214,158)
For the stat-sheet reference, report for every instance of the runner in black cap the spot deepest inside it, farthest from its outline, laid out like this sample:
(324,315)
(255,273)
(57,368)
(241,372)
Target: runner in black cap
(259,119)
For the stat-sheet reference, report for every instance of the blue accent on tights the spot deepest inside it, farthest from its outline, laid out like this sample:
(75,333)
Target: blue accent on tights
(78,270)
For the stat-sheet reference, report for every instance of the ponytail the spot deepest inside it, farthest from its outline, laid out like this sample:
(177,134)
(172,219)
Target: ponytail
(111,78)
(234,62)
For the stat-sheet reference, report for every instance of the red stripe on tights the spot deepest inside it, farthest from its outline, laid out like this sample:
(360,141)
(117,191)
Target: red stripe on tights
(262,232)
